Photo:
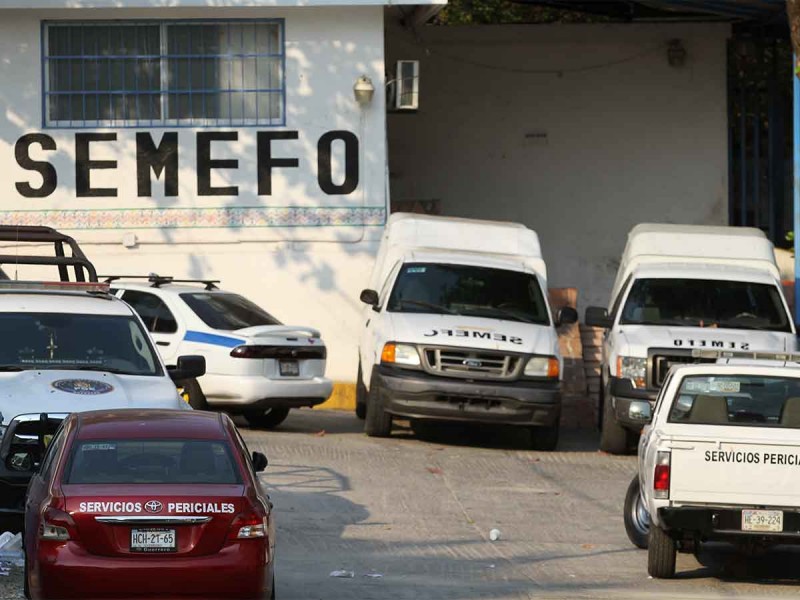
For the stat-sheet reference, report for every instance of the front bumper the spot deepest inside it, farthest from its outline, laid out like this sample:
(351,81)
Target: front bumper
(242,393)
(709,523)
(629,403)
(414,394)
(237,571)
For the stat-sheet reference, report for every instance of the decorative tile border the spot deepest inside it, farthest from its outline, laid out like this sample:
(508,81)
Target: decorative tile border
(198,218)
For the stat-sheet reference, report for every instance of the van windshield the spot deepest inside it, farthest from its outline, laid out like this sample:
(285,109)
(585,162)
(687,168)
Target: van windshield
(750,400)
(115,344)
(468,290)
(705,303)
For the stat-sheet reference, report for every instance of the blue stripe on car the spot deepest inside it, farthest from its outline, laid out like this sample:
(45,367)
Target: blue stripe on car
(210,338)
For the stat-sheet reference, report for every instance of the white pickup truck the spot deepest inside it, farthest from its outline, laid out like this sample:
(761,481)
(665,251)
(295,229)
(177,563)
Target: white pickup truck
(720,460)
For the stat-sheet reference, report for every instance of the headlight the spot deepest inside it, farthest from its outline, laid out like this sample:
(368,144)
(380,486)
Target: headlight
(400,354)
(633,368)
(542,366)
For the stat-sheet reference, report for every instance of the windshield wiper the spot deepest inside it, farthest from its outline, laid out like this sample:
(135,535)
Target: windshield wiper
(436,307)
(100,368)
(10,368)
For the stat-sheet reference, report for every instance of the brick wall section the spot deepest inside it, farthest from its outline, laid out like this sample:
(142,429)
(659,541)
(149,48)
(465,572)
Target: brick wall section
(592,342)
(578,410)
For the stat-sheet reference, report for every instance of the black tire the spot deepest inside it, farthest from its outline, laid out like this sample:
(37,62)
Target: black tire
(197,399)
(378,422)
(636,517)
(26,586)
(545,438)
(613,436)
(272,594)
(361,395)
(266,419)
(661,554)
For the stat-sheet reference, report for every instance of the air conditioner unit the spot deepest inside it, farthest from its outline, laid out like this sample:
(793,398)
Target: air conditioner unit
(406,85)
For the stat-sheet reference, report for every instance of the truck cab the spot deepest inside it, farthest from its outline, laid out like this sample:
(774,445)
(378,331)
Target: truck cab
(719,461)
(457,327)
(681,288)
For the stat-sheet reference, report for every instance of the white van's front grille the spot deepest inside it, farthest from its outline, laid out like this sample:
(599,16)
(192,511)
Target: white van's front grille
(469,364)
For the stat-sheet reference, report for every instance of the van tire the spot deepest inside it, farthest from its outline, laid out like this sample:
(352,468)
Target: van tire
(637,528)
(361,395)
(661,554)
(613,436)
(378,422)
(268,419)
(545,439)
(197,399)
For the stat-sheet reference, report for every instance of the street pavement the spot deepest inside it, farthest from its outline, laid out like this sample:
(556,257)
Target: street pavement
(417,509)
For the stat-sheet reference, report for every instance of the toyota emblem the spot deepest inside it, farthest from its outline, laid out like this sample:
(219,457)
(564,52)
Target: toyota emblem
(153,506)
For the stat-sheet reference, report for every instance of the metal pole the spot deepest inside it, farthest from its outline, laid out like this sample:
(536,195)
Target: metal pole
(796,189)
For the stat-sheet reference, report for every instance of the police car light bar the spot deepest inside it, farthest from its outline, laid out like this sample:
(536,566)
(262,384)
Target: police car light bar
(717,354)
(67,286)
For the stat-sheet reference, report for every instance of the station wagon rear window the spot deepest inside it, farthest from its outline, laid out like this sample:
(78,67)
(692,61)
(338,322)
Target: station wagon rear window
(730,400)
(150,462)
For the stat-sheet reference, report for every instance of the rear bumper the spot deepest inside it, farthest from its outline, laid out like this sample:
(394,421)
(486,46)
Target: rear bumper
(241,393)
(418,395)
(239,571)
(710,523)
(628,402)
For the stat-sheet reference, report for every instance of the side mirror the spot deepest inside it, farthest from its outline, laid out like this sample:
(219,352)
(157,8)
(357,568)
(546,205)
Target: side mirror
(370,297)
(189,367)
(260,462)
(566,315)
(597,316)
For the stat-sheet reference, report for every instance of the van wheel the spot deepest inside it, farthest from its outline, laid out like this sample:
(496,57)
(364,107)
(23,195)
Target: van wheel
(613,437)
(636,517)
(544,438)
(661,553)
(26,584)
(196,397)
(268,419)
(378,422)
(272,594)
(361,395)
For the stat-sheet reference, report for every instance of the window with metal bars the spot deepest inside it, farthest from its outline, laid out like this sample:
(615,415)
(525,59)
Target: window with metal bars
(163,73)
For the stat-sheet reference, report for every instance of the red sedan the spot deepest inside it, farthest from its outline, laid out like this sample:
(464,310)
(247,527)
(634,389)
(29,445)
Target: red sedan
(154,503)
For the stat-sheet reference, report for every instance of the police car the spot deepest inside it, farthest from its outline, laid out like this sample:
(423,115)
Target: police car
(256,366)
(67,346)
(149,503)
(721,458)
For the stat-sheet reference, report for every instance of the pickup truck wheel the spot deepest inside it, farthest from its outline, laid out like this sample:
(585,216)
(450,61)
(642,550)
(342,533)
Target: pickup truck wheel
(268,419)
(361,395)
(636,517)
(378,422)
(613,437)
(661,553)
(544,438)
(196,397)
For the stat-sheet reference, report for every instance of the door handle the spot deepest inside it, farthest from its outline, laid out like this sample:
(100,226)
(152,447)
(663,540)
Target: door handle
(162,343)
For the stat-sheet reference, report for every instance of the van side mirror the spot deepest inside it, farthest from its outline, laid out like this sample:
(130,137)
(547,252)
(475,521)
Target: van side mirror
(597,316)
(189,367)
(370,297)
(260,462)
(566,315)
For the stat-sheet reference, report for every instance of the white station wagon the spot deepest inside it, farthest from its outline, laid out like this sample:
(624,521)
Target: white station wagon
(255,366)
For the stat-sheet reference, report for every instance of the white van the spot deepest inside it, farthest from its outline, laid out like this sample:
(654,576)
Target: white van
(458,327)
(680,288)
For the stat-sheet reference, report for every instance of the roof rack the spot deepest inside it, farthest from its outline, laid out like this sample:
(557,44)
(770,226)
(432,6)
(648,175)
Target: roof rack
(157,281)
(84,270)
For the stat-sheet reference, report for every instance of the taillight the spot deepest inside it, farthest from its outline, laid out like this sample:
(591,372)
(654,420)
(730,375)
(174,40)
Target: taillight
(56,525)
(253,523)
(661,476)
(287,352)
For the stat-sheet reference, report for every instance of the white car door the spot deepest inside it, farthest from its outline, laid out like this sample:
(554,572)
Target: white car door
(160,321)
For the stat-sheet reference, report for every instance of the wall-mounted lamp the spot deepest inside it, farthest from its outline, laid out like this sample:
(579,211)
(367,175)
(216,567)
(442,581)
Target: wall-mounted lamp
(676,54)
(363,91)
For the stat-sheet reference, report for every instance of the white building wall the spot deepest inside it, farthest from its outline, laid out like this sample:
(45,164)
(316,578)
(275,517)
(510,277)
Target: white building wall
(577,131)
(310,269)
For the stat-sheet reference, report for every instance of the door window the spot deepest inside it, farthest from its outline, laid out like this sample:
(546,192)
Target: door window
(155,314)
